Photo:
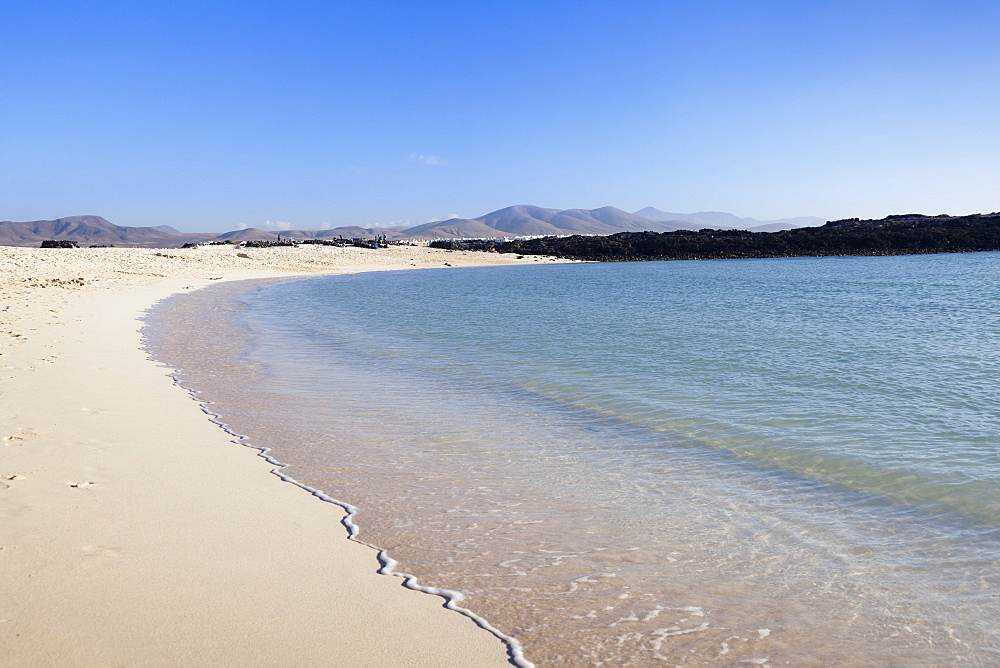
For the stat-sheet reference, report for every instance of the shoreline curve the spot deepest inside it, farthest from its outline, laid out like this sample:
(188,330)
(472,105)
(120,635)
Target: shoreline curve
(132,531)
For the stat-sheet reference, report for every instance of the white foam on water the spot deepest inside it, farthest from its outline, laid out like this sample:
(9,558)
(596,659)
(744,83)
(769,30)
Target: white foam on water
(388,564)
(764,550)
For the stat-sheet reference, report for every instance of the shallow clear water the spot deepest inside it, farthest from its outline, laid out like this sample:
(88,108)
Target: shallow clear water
(708,462)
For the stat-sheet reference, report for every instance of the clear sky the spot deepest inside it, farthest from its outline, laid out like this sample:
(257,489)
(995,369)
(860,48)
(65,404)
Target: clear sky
(215,115)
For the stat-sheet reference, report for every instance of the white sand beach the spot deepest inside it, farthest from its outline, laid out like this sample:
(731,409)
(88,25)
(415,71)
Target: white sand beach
(134,531)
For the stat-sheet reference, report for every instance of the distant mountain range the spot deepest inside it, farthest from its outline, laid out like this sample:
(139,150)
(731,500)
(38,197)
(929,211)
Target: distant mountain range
(86,230)
(718,220)
(527,220)
(513,221)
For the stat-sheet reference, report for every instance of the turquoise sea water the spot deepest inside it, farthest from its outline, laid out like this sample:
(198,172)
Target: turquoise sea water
(707,462)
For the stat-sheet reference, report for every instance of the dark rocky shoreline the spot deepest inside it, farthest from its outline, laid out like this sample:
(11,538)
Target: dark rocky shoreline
(907,234)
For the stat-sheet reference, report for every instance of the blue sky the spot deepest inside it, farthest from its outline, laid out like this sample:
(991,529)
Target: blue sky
(216,115)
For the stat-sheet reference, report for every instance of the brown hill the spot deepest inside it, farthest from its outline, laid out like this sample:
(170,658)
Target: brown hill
(455,228)
(248,234)
(88,230)
(347,232)
(528,220)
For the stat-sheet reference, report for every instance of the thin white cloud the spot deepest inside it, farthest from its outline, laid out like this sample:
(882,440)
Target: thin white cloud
(427,159)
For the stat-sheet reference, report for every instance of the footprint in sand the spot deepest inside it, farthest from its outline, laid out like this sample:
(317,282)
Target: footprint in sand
(10,477)
(93,411)
(94,556)
(23,434)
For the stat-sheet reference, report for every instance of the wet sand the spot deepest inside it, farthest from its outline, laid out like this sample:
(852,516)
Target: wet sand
(133,530)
